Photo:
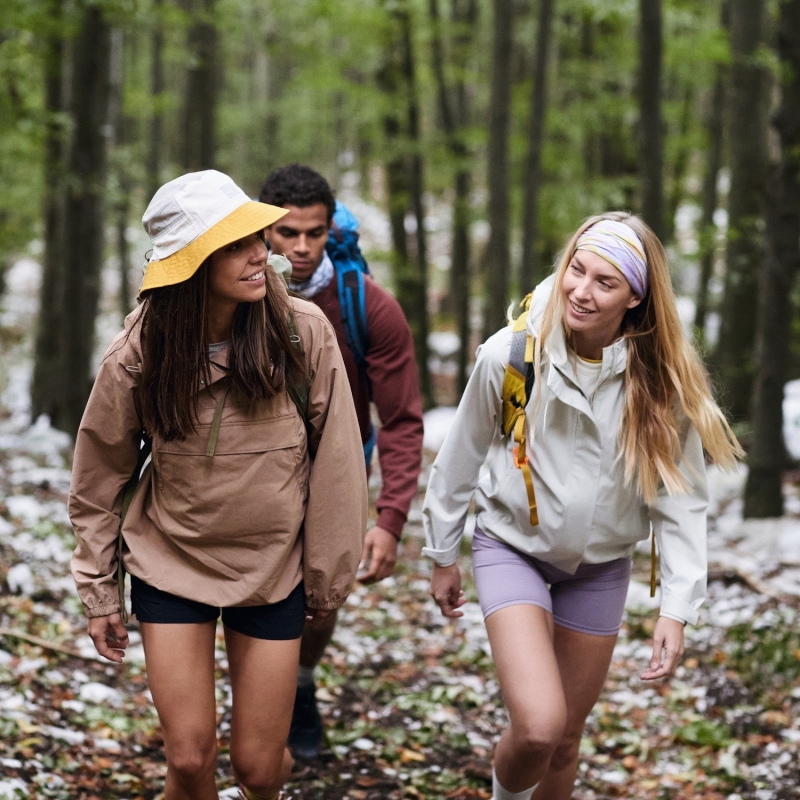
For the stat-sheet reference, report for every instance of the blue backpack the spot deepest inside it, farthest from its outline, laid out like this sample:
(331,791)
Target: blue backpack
(350,265)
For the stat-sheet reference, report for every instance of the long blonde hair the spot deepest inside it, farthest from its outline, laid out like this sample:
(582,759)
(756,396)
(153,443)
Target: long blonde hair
(663,374)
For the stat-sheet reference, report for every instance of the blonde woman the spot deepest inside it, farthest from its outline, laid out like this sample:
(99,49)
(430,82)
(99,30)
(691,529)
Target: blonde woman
(619,426)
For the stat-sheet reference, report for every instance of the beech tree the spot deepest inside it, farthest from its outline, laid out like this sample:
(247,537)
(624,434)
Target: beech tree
(778,275)
(497,259)
(745,251)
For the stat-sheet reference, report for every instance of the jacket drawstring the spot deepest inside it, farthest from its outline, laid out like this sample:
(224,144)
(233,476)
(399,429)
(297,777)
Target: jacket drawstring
(215,425)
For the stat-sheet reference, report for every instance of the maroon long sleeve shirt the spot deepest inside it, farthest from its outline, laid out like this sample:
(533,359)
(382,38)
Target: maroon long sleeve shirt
(389,379)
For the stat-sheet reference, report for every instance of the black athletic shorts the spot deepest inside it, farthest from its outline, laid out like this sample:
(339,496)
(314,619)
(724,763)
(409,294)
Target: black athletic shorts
(281,620)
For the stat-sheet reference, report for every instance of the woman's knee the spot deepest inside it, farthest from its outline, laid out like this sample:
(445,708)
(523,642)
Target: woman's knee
(539,736)
(190,759)
(261,772)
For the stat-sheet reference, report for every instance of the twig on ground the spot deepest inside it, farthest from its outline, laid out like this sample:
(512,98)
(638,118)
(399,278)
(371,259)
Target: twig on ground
(15,633)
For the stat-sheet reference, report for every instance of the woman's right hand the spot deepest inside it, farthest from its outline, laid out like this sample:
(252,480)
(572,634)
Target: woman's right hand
(109,636)
(446,590)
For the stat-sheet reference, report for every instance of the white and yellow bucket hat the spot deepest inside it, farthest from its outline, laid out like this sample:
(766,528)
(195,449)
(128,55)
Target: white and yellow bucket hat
(191,217)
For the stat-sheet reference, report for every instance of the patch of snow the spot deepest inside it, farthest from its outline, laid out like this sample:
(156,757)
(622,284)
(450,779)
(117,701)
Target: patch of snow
(64,734)
(791,418)
(444,343)
(27,665)
(99,693)
(109,745)
(638,598)
(20,580)
(363,744)
(26,508)
(437,422)
(10,789)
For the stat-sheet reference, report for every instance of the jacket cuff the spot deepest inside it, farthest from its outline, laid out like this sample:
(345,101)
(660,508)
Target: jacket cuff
(102,611)
(325,605)
(392,520)
(443,558)
(679,610)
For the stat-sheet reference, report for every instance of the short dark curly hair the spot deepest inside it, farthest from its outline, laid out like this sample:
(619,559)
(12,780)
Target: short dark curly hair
(297,185)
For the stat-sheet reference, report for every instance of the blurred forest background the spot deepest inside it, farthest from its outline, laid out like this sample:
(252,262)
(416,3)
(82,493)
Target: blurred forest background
(483,131)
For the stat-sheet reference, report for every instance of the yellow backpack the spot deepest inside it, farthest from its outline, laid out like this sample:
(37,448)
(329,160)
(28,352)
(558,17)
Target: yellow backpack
(517,388)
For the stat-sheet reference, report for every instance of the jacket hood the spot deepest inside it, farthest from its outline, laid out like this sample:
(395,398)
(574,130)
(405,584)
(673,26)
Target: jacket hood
(541,294)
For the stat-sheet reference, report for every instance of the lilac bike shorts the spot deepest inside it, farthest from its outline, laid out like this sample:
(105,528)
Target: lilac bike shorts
(590,601)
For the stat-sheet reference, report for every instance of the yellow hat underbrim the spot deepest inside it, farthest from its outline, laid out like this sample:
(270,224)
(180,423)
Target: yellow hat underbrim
(248,218)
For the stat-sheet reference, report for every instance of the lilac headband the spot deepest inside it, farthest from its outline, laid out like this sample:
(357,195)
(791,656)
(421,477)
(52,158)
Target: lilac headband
(618,244)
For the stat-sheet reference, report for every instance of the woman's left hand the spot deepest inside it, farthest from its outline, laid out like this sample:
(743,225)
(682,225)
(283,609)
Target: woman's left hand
(317,617)
(667,649)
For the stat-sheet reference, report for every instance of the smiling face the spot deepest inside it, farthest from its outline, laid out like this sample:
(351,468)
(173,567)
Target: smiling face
(301,236)
(236,275)
(596,297)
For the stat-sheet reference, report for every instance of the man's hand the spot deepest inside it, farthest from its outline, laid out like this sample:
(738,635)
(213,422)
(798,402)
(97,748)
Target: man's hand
(379,555)
(109,636)
(446,590)
(667,649)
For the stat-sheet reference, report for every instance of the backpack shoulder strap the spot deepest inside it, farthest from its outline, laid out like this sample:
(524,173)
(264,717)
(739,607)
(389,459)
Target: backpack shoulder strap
(350,287)
(517,388)
(299,394)
(518,378)
(343,250)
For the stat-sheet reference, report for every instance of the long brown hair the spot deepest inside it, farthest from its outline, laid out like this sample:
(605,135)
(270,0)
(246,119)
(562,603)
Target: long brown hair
(263,358)
(663,374)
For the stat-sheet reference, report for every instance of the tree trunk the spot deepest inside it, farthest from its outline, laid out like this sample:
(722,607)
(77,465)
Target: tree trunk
(708,229)
(454,113)
(155,142)
(763,493)
(528,273)
(745,254)
(201,89)
(420,324)
(48,380)
(497,257)
(404,183)
(651,133)
(85,209)
(124,184)
(681,160)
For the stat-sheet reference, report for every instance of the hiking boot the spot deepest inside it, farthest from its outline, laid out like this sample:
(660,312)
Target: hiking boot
(305,734)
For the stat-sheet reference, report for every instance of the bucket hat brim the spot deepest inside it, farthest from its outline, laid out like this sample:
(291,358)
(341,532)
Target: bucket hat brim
(244,220)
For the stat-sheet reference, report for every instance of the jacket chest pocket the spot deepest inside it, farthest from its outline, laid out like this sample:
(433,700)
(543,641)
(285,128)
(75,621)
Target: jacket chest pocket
(258,472)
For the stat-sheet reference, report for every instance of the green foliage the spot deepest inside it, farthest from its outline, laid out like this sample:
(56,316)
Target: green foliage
(766,652)
(706,733)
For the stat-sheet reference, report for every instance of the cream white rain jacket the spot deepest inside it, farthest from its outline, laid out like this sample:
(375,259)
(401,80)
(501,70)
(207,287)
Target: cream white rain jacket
(586,512)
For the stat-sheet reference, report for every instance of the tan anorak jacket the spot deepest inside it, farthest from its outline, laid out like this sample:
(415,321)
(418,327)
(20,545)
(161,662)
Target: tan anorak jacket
(242,527)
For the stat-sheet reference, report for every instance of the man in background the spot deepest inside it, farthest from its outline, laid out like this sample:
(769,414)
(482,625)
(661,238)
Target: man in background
(378,352)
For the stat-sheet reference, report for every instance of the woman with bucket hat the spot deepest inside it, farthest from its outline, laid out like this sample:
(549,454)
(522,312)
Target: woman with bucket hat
(618,422)
(254,497)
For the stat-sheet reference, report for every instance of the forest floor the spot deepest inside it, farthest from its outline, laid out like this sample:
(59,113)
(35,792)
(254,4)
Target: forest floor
(411,703)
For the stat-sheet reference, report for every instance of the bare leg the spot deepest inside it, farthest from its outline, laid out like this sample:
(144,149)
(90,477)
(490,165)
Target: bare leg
(180,671)
(522,646)
(314,642)
(583,662)
(263,681)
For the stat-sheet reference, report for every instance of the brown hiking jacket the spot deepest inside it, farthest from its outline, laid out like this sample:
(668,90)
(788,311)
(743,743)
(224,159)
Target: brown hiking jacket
(242,527)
